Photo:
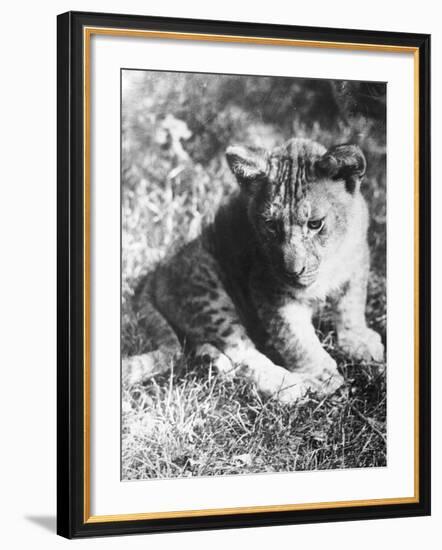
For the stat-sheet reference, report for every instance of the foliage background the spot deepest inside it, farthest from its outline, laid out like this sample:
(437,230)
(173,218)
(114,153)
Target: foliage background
(175,129)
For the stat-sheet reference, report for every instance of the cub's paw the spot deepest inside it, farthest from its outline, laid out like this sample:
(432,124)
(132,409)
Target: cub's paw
(323,380)
(362,344)
(208,356)
(299,385)
(292,389)
(278,383)
(328,379)
(323,376)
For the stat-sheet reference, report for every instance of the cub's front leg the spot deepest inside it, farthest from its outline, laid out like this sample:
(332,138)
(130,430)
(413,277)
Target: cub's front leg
(354,337)
(291,333)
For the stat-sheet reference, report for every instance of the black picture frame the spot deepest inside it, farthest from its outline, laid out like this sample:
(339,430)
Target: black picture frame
(72,520)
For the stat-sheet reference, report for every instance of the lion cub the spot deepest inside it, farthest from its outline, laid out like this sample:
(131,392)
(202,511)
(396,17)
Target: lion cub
(243,293)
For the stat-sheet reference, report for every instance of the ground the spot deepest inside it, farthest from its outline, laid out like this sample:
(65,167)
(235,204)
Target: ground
(174,175)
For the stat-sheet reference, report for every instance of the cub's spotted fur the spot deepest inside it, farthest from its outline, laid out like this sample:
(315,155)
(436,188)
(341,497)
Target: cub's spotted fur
(243,293)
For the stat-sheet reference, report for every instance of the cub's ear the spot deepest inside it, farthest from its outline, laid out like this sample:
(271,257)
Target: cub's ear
(248,164)
(345,162)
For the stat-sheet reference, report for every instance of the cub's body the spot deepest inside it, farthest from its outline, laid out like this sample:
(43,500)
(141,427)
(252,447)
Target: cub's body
(242,295)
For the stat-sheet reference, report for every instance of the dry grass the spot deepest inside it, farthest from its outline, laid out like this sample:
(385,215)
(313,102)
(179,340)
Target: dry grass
(175,130)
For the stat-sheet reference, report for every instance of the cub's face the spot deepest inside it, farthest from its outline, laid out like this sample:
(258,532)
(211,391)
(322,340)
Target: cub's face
(300,199)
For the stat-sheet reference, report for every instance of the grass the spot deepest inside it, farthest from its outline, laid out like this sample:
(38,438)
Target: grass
(199,425)
(191,422)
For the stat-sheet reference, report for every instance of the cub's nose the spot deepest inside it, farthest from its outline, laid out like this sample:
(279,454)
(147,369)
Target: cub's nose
(297,265)
(294,260)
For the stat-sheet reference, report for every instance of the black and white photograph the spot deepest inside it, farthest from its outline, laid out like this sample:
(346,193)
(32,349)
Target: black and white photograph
(253,282)
(221,259)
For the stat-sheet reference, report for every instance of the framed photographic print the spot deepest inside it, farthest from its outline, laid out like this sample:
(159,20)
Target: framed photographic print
(243,274)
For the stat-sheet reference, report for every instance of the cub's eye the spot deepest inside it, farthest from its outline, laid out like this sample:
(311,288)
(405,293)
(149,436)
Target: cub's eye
(316,225)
